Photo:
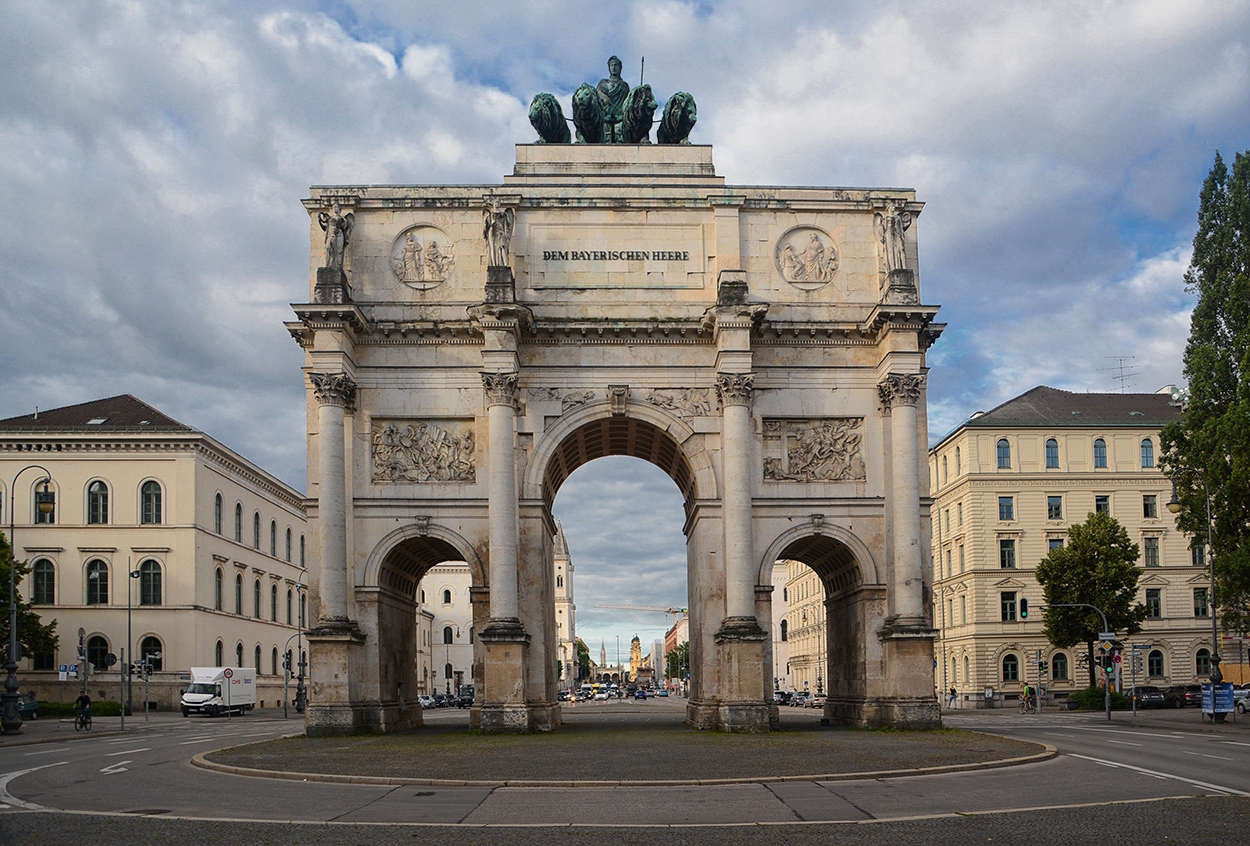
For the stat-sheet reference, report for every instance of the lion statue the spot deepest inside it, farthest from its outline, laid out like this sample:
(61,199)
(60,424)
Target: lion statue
(548,120)
(679,118)
(588,115)
(640,108)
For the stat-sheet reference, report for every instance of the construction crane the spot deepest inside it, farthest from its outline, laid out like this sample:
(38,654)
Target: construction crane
(676,612)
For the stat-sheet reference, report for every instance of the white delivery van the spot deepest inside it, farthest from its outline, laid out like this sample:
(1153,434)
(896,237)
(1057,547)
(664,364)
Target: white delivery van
(220,690)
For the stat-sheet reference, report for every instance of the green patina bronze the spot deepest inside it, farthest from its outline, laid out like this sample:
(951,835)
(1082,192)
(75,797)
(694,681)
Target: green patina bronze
(613,113)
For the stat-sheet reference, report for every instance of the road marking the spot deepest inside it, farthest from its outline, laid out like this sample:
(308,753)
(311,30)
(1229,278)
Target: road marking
(1123,743)
(1203,784)
(114,769)
(1201,755)
(128,752)
(189,742)
(45,751)
(1234,743)
(12,801)
(1122,731)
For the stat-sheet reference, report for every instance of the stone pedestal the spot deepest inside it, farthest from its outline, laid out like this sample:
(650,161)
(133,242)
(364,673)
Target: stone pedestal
(335,653)
(740,651)
(908,661)
(332,287)
(505,651)
(500,285)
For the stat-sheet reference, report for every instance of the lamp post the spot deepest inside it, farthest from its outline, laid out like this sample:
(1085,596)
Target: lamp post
(301,694)
(1174,506)
(130,650)
(45,500)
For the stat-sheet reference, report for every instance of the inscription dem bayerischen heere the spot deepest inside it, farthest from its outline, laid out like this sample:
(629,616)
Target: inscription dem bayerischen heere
(616,255)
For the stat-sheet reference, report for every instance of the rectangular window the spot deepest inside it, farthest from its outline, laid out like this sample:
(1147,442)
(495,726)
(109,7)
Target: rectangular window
(959,514)
(1054,543)
(1150,506)
(1054,508)
(949,571)
(1102,504)
(1007,554)
(961,558)
(1150,552)
(1006,508)
(946,521)
(1007,606)
(963,610)
(1154,603)
(1198,556)
(1201,607)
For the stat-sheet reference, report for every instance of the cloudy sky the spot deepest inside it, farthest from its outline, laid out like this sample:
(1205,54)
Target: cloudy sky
(153,156)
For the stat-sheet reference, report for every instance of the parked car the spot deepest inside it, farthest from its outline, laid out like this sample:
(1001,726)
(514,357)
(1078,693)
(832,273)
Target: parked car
(1180,695)
(1241,698)
(796,699)
(1149,696)
(27,707)
(814,702)
(780,697)
(427,702)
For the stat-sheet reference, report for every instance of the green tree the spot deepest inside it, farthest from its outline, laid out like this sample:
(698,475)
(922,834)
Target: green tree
(1097,566)
(35,637)
(583,660)
(1208,450)
(679,661)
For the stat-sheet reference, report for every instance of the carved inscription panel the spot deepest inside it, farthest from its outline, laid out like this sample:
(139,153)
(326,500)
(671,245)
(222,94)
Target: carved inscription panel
(423,451)
(819,450)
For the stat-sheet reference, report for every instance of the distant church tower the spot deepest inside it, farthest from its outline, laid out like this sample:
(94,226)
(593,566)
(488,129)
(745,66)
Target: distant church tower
(566,623)
(603,654)
(635,658)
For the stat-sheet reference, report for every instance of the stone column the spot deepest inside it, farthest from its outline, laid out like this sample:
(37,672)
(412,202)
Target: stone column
(735,395)
(900,392)
(501,397)
(335,392)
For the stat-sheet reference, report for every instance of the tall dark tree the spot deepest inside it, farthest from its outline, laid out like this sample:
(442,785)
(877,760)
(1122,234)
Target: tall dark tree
(1097,566)
(35,637)
(583,660)
(1207,452)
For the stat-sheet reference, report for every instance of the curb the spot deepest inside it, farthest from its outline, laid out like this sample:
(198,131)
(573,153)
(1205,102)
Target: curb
(1048,752)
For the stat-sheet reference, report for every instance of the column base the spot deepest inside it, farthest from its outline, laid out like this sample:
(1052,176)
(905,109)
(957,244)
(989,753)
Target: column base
(881,712)
(335,650)
(731,716)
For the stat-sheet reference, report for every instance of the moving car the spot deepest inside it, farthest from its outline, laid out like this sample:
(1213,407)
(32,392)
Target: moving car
(640,694)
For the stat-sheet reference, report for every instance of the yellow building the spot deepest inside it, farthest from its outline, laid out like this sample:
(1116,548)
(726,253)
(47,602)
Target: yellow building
(804,628)
(1007,484)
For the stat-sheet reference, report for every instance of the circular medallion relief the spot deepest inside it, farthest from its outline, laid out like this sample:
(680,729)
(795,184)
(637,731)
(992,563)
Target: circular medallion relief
(421,256)
(807,257)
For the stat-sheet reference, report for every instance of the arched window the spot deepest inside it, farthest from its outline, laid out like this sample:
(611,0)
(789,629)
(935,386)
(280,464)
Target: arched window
(1052,453)
(559,581)
(1011,668)
(150,650)
(447,671)
(273,603)
(1154,663)
(97,503)
(238,654)
(967,670)
(785,629)
(256,599)
(945,475)
(256,530)
(238,524)
(288,606)
(301,550)
(1100,453)
(288,544)
(97,653)
(150,503)
(1147,453)
(97,582)
(447,597)
(1202,664)
(45,583)
(218,655)
(217,591)
(217,507)
(958,462)
(273,538)
(1004,454)
(954,672)
(470,634)
(273,662)
(150,583)
(238,593)
(303,612)
(447,634)
(256,663)
(1059,666)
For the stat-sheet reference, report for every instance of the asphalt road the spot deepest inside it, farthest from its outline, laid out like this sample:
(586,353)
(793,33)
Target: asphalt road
(1126,782)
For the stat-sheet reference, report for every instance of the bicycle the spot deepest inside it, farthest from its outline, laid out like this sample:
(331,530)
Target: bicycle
(82,722)
(1028,705)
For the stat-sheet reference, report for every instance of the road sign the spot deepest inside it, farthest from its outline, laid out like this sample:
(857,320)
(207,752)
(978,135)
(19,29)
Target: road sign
(228,673)
(1106,635)
(1105,646)
(1117,658)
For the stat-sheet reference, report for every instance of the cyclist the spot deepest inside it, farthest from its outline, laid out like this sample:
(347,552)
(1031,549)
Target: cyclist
(1027,703)
(83,703)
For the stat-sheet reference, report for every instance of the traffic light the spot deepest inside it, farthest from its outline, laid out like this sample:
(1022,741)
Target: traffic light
(1041,668)
(1024,608)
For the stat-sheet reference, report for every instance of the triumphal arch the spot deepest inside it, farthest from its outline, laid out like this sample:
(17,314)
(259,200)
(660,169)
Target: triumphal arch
(470,346)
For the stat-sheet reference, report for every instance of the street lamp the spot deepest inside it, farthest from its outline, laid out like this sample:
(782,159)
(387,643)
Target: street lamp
(301,694)
(1174,506)
(129,658)
(45,500)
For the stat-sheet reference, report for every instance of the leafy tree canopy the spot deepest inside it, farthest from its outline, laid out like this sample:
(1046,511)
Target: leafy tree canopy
(1208,450)
(1097,566)
(35,637)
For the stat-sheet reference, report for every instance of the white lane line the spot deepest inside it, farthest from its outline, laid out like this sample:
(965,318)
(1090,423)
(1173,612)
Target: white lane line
(1124,743)
(9,799)
(1203,784)
(1201,755)
(114,769)
(189,742)
(1122,731)
(1234,743)
(128,752)
(45,751)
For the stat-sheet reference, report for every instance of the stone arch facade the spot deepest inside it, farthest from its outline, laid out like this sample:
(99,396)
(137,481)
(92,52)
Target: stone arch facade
(764,347)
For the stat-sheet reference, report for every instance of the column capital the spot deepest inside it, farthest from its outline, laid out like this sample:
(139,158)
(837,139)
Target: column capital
(735,388)
(501,388)
(334,389)
(901,389)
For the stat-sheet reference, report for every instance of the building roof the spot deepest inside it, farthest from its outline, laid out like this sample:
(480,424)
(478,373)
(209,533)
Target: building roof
(122,413)
(1050,407)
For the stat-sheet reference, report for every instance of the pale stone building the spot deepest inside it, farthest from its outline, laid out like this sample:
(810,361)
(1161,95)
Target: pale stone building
(445,597)
(781,626)
(214,545)
(805,629)
(1007,485)
(566,610)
